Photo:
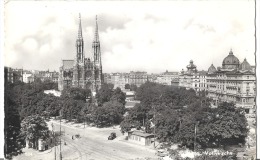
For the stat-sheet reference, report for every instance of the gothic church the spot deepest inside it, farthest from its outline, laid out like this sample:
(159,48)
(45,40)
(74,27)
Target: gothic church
(82,72)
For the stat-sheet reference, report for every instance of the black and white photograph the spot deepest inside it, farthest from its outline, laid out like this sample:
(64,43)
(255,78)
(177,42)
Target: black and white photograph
(129,80)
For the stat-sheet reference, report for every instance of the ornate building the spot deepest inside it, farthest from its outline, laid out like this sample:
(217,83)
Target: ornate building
(190,78)
(83,72)
(234,82)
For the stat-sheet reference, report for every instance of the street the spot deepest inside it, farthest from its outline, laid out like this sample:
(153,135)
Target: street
(93,144)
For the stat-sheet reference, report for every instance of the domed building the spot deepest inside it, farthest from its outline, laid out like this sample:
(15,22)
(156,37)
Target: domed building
(230,62)
(234,82)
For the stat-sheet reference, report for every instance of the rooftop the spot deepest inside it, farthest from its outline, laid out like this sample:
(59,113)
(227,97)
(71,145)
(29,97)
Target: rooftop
(141,133)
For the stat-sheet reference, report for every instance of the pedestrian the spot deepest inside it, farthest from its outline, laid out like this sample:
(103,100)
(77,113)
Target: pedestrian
(72,137)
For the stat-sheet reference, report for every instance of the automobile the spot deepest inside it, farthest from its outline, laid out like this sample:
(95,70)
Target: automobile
(111,136)
(162,153)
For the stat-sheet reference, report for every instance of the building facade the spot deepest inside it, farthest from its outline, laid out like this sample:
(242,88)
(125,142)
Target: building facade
(233,82)
(190,79)
(83,72)
(119,80)
(13,75)
(138,78)
(167,78)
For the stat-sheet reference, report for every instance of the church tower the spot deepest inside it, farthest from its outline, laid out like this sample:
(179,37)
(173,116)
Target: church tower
(97,59)
(78,68)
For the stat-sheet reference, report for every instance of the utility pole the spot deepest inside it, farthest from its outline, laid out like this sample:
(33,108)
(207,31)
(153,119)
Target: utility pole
(60,139)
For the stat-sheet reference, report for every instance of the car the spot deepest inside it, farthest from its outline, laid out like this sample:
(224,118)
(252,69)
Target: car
(112,136)
(162,153)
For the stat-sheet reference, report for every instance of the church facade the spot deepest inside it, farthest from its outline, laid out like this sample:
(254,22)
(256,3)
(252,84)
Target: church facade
(82,72)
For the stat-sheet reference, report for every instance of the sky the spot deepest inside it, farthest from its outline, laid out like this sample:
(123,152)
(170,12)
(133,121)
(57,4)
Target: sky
(150,36)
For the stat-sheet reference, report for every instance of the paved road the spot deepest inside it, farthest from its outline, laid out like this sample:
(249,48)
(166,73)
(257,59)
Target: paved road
(93,145)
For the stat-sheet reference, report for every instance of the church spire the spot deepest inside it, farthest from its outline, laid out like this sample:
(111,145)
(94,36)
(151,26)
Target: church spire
(80,45)
(80,28)
(96,46)
(96,38)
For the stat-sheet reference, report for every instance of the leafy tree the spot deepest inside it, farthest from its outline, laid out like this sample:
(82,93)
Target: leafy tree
(225,125)
(133,87)
(118,96)
(127,86)
(76,94)
(33,128)
(71,108)
(104,94)
(12,123)
(110,113)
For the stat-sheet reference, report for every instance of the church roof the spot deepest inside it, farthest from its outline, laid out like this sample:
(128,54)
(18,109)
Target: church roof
(67,64)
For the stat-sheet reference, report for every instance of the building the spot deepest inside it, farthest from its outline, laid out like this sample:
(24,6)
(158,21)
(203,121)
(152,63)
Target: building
(26,75)
(31,76)
(82,72)
(140,137)
(138,78)
(13,75)
(233,82)
(202,80)
(190,79)
(167,78)
(120,80)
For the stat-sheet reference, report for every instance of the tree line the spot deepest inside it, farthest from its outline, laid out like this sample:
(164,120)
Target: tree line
(27,103)
(181,116)
(174,114)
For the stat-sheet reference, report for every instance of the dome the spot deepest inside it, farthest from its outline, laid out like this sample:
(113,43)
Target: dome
(245,65)
(191,65)
(230,62)
(212,69)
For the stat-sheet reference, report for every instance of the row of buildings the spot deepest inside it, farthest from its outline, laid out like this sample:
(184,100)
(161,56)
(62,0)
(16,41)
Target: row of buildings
(233,82)
(138,78)
(28,76)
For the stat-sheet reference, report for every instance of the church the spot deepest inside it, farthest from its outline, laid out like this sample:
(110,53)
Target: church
(82,72)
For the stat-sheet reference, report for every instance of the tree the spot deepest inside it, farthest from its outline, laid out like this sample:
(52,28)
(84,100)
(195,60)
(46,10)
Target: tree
(225,125)
(12,123)
(33,128)
(111,113)
(127,86)
(133,87)
(118,96)
(104,94)
(76,94)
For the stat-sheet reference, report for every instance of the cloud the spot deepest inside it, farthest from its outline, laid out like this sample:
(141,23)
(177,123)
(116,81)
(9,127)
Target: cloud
(152,37)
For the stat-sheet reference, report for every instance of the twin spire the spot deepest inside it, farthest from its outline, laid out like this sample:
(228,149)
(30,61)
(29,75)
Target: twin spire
(80,28)
(96,36)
